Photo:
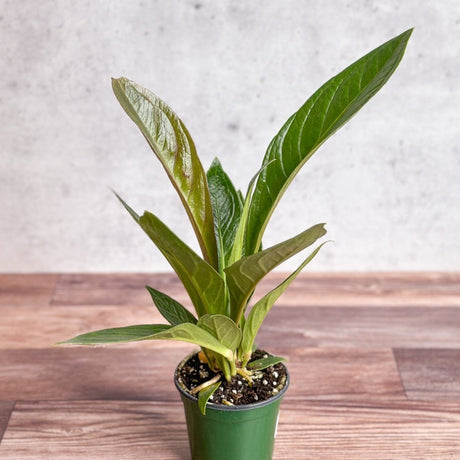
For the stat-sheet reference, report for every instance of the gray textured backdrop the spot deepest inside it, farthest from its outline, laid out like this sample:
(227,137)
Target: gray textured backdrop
(387,184)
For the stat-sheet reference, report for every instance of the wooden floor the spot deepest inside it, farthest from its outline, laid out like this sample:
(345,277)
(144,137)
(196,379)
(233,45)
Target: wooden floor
(374,363)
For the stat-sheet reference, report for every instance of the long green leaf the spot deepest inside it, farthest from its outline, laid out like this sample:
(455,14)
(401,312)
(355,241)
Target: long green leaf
(171,310)
(260,310)
(226,206)
(238,243)
(185,332)
(171,142)
(203,284)
(118,334)
(323,113)
(243,275)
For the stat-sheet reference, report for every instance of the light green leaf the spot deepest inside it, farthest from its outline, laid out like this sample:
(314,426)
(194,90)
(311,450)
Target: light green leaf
(226,206)
(118,335)
(263,363)
(185,332)
(223,328)
(171,142)
(243,275)
(325,112)
(260,310)
(172,311)
(205,394)
(204,285)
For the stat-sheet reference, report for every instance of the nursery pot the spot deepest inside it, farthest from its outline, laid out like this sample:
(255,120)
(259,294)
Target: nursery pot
(245,432)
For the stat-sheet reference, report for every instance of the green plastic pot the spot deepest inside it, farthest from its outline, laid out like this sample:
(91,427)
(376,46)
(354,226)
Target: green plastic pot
(245,432)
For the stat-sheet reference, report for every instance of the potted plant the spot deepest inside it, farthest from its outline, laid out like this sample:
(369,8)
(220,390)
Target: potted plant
(231,391)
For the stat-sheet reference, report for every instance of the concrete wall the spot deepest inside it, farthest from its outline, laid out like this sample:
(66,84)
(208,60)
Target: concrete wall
(387,184)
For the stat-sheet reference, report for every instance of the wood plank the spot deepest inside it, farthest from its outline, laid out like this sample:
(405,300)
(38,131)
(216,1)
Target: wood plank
(26,289)
(430,374)
(363,327)
(89,373)
(320,433)
(115,289)
(97,430)
(342,374)
(370,289)
(310,289)
(6,408)
(156,430)
(47,325)
(146,374)
(372,327)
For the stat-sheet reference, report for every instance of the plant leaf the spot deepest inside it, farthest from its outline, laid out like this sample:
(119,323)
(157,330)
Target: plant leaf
(323,113)
(226,206)
(205,394)
(185,332)
(118,334)
(263,363)
(171,310)
(131,211)
(223,328)
(203,284)
(243,276)
(260,310)
(171,142)
(238,243)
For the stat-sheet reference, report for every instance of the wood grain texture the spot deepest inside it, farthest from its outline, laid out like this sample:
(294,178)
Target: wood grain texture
(430,374)
(95,430)
(309,289)
(146,374)
(342,374)
(368,289)
(33,290)
(389,431)
(373,359)
(155,430)
(6,407)
(89,373)
(363,327)
(47,325)
(115,289)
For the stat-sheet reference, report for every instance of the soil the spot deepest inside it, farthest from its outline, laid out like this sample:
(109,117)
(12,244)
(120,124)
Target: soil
(266,383)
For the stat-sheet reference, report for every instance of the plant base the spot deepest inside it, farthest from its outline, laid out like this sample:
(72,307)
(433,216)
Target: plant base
(245,432)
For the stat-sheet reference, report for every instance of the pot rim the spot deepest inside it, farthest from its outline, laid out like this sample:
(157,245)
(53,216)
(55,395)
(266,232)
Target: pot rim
(223,407)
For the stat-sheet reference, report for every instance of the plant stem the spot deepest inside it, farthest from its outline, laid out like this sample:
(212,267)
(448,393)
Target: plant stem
(206,384)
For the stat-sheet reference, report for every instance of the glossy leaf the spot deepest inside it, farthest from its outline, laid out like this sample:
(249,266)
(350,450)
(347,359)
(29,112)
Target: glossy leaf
(205,394)
(203,284)
(263,363)
(223,328)
(238,244)
(243,275)
(171,310)
(260,310)
(226,206)
(323,113)
(172,144)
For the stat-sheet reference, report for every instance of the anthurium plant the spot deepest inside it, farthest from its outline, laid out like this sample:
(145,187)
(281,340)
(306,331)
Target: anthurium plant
(230,225)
